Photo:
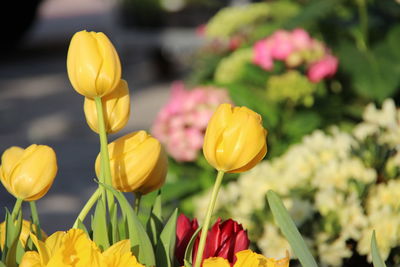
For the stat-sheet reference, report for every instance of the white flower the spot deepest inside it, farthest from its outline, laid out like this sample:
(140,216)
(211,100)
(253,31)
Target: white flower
(332,253)
(273,244)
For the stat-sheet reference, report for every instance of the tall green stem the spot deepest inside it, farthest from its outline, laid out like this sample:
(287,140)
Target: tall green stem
(105,172)
(206,224)
(89,204)
(35,219)
(363,16)
(16,209)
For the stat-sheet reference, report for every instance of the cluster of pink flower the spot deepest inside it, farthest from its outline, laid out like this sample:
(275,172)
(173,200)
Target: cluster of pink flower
(181,123)
(296,48)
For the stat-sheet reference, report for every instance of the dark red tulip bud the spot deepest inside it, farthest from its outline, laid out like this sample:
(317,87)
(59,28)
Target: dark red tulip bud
(185,228)
(224,240)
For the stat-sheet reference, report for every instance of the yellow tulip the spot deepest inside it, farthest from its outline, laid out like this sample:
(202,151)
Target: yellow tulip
(93,64)
(116,108)
(25,232)
(247,258)
(235,140)
(138,163)
(28,173)
(74,248)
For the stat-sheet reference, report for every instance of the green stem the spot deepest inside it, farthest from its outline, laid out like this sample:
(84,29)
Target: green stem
(138,197)
(363,16)
(104,155)
(35,219)
(89,204)
(207,220)
(16,209)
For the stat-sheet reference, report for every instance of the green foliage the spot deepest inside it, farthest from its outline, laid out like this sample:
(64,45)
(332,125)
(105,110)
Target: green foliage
(376,256)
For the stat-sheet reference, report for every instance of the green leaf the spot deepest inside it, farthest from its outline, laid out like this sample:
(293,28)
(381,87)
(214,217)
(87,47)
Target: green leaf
(166,243)
(189,249)
(155,223)
(123,228)
(99,227)
(289,230)
(140,241)
(20,252)
(114,224)
(376,256)
(13,232)
(2,264)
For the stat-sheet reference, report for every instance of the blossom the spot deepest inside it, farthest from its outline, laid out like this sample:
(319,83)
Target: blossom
(324,68)
(181,123)
(185,229)
(74,248)
(25,233)
(247,258)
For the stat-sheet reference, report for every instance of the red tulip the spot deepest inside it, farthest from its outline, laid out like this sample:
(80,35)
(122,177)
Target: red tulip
(184,231)
(224,240)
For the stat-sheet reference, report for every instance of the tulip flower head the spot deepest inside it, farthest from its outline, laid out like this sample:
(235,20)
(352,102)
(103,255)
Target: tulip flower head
(93,64)
(185,228)
(247,258)
(28,173)
(224,240)
(235,140)
(74,248)
(138,163)
(25,232)
(116,108)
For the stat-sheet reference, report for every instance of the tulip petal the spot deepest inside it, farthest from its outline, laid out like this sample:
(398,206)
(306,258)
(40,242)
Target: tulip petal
(216,262)
(9,160)
(31,259)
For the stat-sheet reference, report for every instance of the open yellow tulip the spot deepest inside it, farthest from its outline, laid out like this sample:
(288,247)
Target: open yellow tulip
(28,173)
(138,163)
(235,140)
(247,258)
(74,248)
(93,64)
(116,108)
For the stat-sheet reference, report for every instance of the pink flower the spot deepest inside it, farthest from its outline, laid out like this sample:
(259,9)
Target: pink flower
(262,55)
(324,68)
(282,45)
(301,39)
(181,123)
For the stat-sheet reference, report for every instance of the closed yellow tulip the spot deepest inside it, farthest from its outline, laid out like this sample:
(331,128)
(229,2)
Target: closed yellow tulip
(138,163)
(235,140)
(93,64)
(25,232)
(116,109)
(247,258)
(28,173)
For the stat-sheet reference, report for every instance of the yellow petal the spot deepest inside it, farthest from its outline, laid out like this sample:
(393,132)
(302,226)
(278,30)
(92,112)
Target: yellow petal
(216,262)
(9,160)
(54,242)
(31,259)
(44,253)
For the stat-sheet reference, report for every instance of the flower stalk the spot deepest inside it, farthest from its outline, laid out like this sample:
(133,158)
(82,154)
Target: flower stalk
(35,219)
(105,172)
(206,224)
(16,209)
(89,204)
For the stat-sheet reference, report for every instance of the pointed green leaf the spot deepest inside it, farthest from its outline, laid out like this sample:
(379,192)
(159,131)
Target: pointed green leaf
(289,230)
(140,241)
(376,256)
(166,243)
(189,249)
(20,252)
(155,223)
(123,228)
(114,224)
(99,227)
(13,232)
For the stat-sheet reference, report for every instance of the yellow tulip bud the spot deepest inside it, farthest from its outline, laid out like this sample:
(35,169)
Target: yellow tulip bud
(28,173)
(116,109)
(235,140)
(25,232)
(93,65)
(138,163)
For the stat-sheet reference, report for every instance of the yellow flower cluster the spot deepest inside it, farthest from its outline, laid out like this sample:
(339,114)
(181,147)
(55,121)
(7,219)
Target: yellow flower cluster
(74,248)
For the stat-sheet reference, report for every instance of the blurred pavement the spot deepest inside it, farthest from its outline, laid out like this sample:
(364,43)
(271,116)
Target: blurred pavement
(38,104)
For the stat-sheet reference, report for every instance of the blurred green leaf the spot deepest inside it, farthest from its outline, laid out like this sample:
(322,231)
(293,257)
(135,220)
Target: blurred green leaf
(376,256)
(189,249)
(114,224)
(166,244)
(300,124)
(289,230)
